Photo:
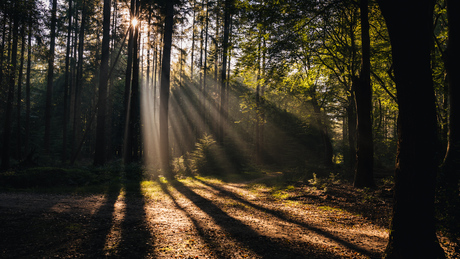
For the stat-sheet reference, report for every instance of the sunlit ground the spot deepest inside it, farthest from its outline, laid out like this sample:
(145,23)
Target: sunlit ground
(191,218)
(216,219)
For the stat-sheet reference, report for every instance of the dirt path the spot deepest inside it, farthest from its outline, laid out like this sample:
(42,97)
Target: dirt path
(186,219)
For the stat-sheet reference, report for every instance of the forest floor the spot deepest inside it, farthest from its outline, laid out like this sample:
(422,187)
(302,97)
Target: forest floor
(198,218)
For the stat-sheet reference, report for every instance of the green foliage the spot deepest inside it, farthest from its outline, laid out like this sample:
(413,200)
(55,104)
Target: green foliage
(206,157)
(323,183)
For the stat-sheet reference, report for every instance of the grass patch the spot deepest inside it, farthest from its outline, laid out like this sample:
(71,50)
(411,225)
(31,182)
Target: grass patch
(231,177)
(327,208)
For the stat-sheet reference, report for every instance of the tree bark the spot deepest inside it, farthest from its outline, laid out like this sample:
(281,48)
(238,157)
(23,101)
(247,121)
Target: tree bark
(164,88)
(2,48)
(412,230)
(193,40)
(19,97)
(9,103)
(205,68)
(351,118)
(49,85)
(100,149)
(29,67)
(77,128)
(65,121)
(134,122)
(223,79)
(365,151)
(451,164)
(127,145)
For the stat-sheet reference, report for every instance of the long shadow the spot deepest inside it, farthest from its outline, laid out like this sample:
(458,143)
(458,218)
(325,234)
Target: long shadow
(267,247)
(212,242)
(99,226)
(286,218)
(136,238)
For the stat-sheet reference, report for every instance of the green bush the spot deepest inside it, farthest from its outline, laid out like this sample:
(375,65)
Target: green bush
(204,159)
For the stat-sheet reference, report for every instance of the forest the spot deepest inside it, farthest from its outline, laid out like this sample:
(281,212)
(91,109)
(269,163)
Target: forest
(230,128)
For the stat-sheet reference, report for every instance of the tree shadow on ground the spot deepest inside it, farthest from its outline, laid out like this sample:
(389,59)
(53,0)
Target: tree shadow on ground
(136,240)
(64,226)
(212,242)
(100,224)
(285,217)
(131,233)
(264,246)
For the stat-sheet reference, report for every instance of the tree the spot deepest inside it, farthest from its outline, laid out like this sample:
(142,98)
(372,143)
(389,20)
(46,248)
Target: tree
(10,93)
(127,148)
(78,88)
(223,79)
(66,85)
(19,95)
(165,86)
(100,151)
(451,164)
(363,95)
(49,85)
(134,109)
(412,233)
(29,67)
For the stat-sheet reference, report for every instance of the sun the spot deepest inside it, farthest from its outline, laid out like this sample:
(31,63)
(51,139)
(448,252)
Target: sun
(134,22)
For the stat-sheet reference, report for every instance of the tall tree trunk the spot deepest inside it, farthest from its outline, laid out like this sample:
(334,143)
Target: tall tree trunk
(154,80)
(110,115)
(205,68)
(149,47)
(2,49)
(134,123)
(365,152)
(451,164)
(200,92)
(65,121)
(351,118)
(29,67)
(77,128)
(193,39)
(9,103)
(49,85)
(216,112)
(19,97)
(164,89)
(101,146)
(127,146)
(73,81)
(262,93)
(257,124)
(223,80)
(412,230)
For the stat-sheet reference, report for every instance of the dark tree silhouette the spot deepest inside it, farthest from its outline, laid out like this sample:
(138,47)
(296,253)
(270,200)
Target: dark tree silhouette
(65,121)
(365,151)
(100,150)
(10,92)
(164,87)
(223,75)
(49,85)
(451,165)
(127,95)
(412,233)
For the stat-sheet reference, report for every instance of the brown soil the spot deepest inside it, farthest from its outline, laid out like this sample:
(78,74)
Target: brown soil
(197,218)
